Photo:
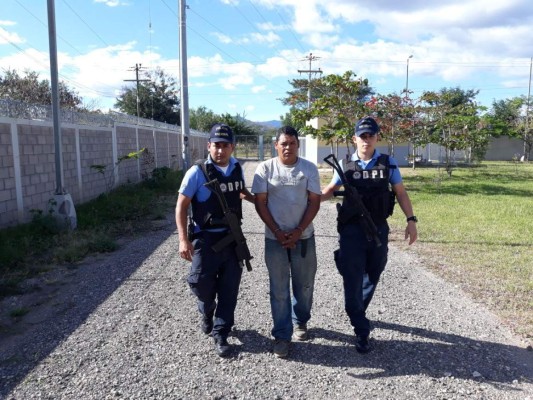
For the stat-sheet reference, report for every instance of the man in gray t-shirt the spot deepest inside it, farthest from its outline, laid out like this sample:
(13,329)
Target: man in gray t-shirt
(287,198)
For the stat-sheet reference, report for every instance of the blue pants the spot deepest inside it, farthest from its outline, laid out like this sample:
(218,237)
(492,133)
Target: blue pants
(215,278)
(360,262)
(301,271)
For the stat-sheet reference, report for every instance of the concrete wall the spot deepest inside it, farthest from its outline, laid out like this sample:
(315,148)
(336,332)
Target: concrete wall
(27,161)
(500,149)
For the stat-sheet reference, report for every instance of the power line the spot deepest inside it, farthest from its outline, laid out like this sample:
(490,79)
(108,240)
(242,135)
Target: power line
(85,23)
(266,22)
(290,29)
(215,27)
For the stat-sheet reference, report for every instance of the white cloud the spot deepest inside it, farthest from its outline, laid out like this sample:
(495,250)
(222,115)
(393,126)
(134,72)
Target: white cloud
(236,75)
(270,26)
(223,38)
(111,3)
(32,59)
(258,89)
(276,67)
(10,37)
(269,38)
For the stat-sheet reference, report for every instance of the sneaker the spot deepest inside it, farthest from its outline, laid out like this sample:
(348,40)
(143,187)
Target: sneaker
(222,346)
(281,348)
(300,333)
(206,325)
(361,344)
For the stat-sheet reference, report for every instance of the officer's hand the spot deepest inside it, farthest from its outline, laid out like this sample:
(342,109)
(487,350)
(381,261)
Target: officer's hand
(186,249)
(411,232)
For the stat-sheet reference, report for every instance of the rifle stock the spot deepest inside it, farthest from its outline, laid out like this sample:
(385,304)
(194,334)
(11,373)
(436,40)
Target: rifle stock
(359,209)
(235,232)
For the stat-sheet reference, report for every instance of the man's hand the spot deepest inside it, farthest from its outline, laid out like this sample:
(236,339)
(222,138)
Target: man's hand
(286,239)
(186,249)
(411,232)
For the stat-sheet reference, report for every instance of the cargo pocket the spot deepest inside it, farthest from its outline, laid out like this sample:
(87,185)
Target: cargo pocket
(196,265)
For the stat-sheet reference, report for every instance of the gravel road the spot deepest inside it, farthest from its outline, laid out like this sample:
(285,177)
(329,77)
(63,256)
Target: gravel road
(125,325)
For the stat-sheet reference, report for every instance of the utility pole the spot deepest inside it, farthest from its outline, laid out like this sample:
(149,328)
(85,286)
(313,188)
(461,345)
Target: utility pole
(184,86)
(137,68)
(310,71)
(63,206)
(407,77)
(526,136)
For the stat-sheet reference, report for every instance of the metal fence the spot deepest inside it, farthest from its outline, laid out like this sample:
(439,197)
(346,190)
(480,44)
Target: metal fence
(253,147)
(20,110)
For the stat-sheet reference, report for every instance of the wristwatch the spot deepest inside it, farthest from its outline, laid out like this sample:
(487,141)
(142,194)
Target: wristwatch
(413,218)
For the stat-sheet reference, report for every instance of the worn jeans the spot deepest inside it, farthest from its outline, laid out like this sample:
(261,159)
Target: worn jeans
(360,262)
(300,271)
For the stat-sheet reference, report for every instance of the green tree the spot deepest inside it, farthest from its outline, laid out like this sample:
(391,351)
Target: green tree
(452,119)
(509,117)
(202,119)
(289,120)
(401,120)
(158,98)
(239,125)
(28,88)
(390,110)
(341,101)
(297,98)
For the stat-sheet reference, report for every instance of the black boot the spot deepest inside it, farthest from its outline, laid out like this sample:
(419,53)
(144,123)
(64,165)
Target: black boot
(222,346)
(207,324)
(361,344)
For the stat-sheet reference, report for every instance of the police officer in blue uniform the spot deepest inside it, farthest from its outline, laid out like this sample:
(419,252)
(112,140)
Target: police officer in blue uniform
(214,277)
(359,260)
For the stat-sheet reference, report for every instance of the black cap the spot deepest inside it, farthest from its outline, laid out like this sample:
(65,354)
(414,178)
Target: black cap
(366,125)
(221,133)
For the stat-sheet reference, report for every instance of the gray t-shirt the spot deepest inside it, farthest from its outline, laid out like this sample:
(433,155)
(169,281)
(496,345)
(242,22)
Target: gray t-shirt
(287,187)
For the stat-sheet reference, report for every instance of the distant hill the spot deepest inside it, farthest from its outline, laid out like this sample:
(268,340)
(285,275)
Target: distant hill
(274,124)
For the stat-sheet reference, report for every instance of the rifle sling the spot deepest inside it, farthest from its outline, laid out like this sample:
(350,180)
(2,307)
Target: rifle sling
(225,241)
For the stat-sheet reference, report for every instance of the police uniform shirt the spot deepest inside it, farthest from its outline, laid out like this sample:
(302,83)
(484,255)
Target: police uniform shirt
(194,179)
(395,176)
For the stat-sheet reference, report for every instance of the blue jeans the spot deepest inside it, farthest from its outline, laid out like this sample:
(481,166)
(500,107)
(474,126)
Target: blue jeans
(360,262)
(300,271)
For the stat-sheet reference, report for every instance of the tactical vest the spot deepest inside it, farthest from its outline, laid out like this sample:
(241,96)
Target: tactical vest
(208,214)
(373,187)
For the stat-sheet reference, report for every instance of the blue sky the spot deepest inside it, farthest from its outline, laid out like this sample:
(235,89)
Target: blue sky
(242,53)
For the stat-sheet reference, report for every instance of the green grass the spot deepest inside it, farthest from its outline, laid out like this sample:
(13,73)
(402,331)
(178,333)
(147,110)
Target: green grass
(29,249)
(475,229)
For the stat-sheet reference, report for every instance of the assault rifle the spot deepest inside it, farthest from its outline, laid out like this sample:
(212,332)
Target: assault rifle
(235,232)
(358,209)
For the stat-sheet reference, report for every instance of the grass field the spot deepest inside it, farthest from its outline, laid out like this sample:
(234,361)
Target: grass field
(476,230)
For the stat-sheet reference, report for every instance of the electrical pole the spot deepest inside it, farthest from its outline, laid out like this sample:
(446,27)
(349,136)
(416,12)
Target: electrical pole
(407,77)
(526,136)
(137,68)
(63,206)
(310,71)
(184,86)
